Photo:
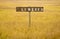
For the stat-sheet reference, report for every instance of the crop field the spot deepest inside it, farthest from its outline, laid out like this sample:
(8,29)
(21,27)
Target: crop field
(44,25)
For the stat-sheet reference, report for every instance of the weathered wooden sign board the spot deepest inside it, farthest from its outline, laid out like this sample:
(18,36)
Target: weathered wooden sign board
(29,9)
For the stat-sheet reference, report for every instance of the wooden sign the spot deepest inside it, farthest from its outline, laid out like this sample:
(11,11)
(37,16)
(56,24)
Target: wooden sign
(29,9)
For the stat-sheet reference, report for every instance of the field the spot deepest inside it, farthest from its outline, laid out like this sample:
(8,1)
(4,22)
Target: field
(44,25)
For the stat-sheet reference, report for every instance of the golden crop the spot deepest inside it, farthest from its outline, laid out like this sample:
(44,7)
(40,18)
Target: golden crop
(44,25)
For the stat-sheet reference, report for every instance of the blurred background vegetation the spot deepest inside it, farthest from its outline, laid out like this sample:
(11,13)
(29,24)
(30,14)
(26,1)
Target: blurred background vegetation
(44,25)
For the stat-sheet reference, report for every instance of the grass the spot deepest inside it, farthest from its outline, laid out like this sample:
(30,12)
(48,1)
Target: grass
(14,25)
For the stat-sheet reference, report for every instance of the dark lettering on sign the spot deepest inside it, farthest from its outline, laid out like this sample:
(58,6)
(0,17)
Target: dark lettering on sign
(29,9)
